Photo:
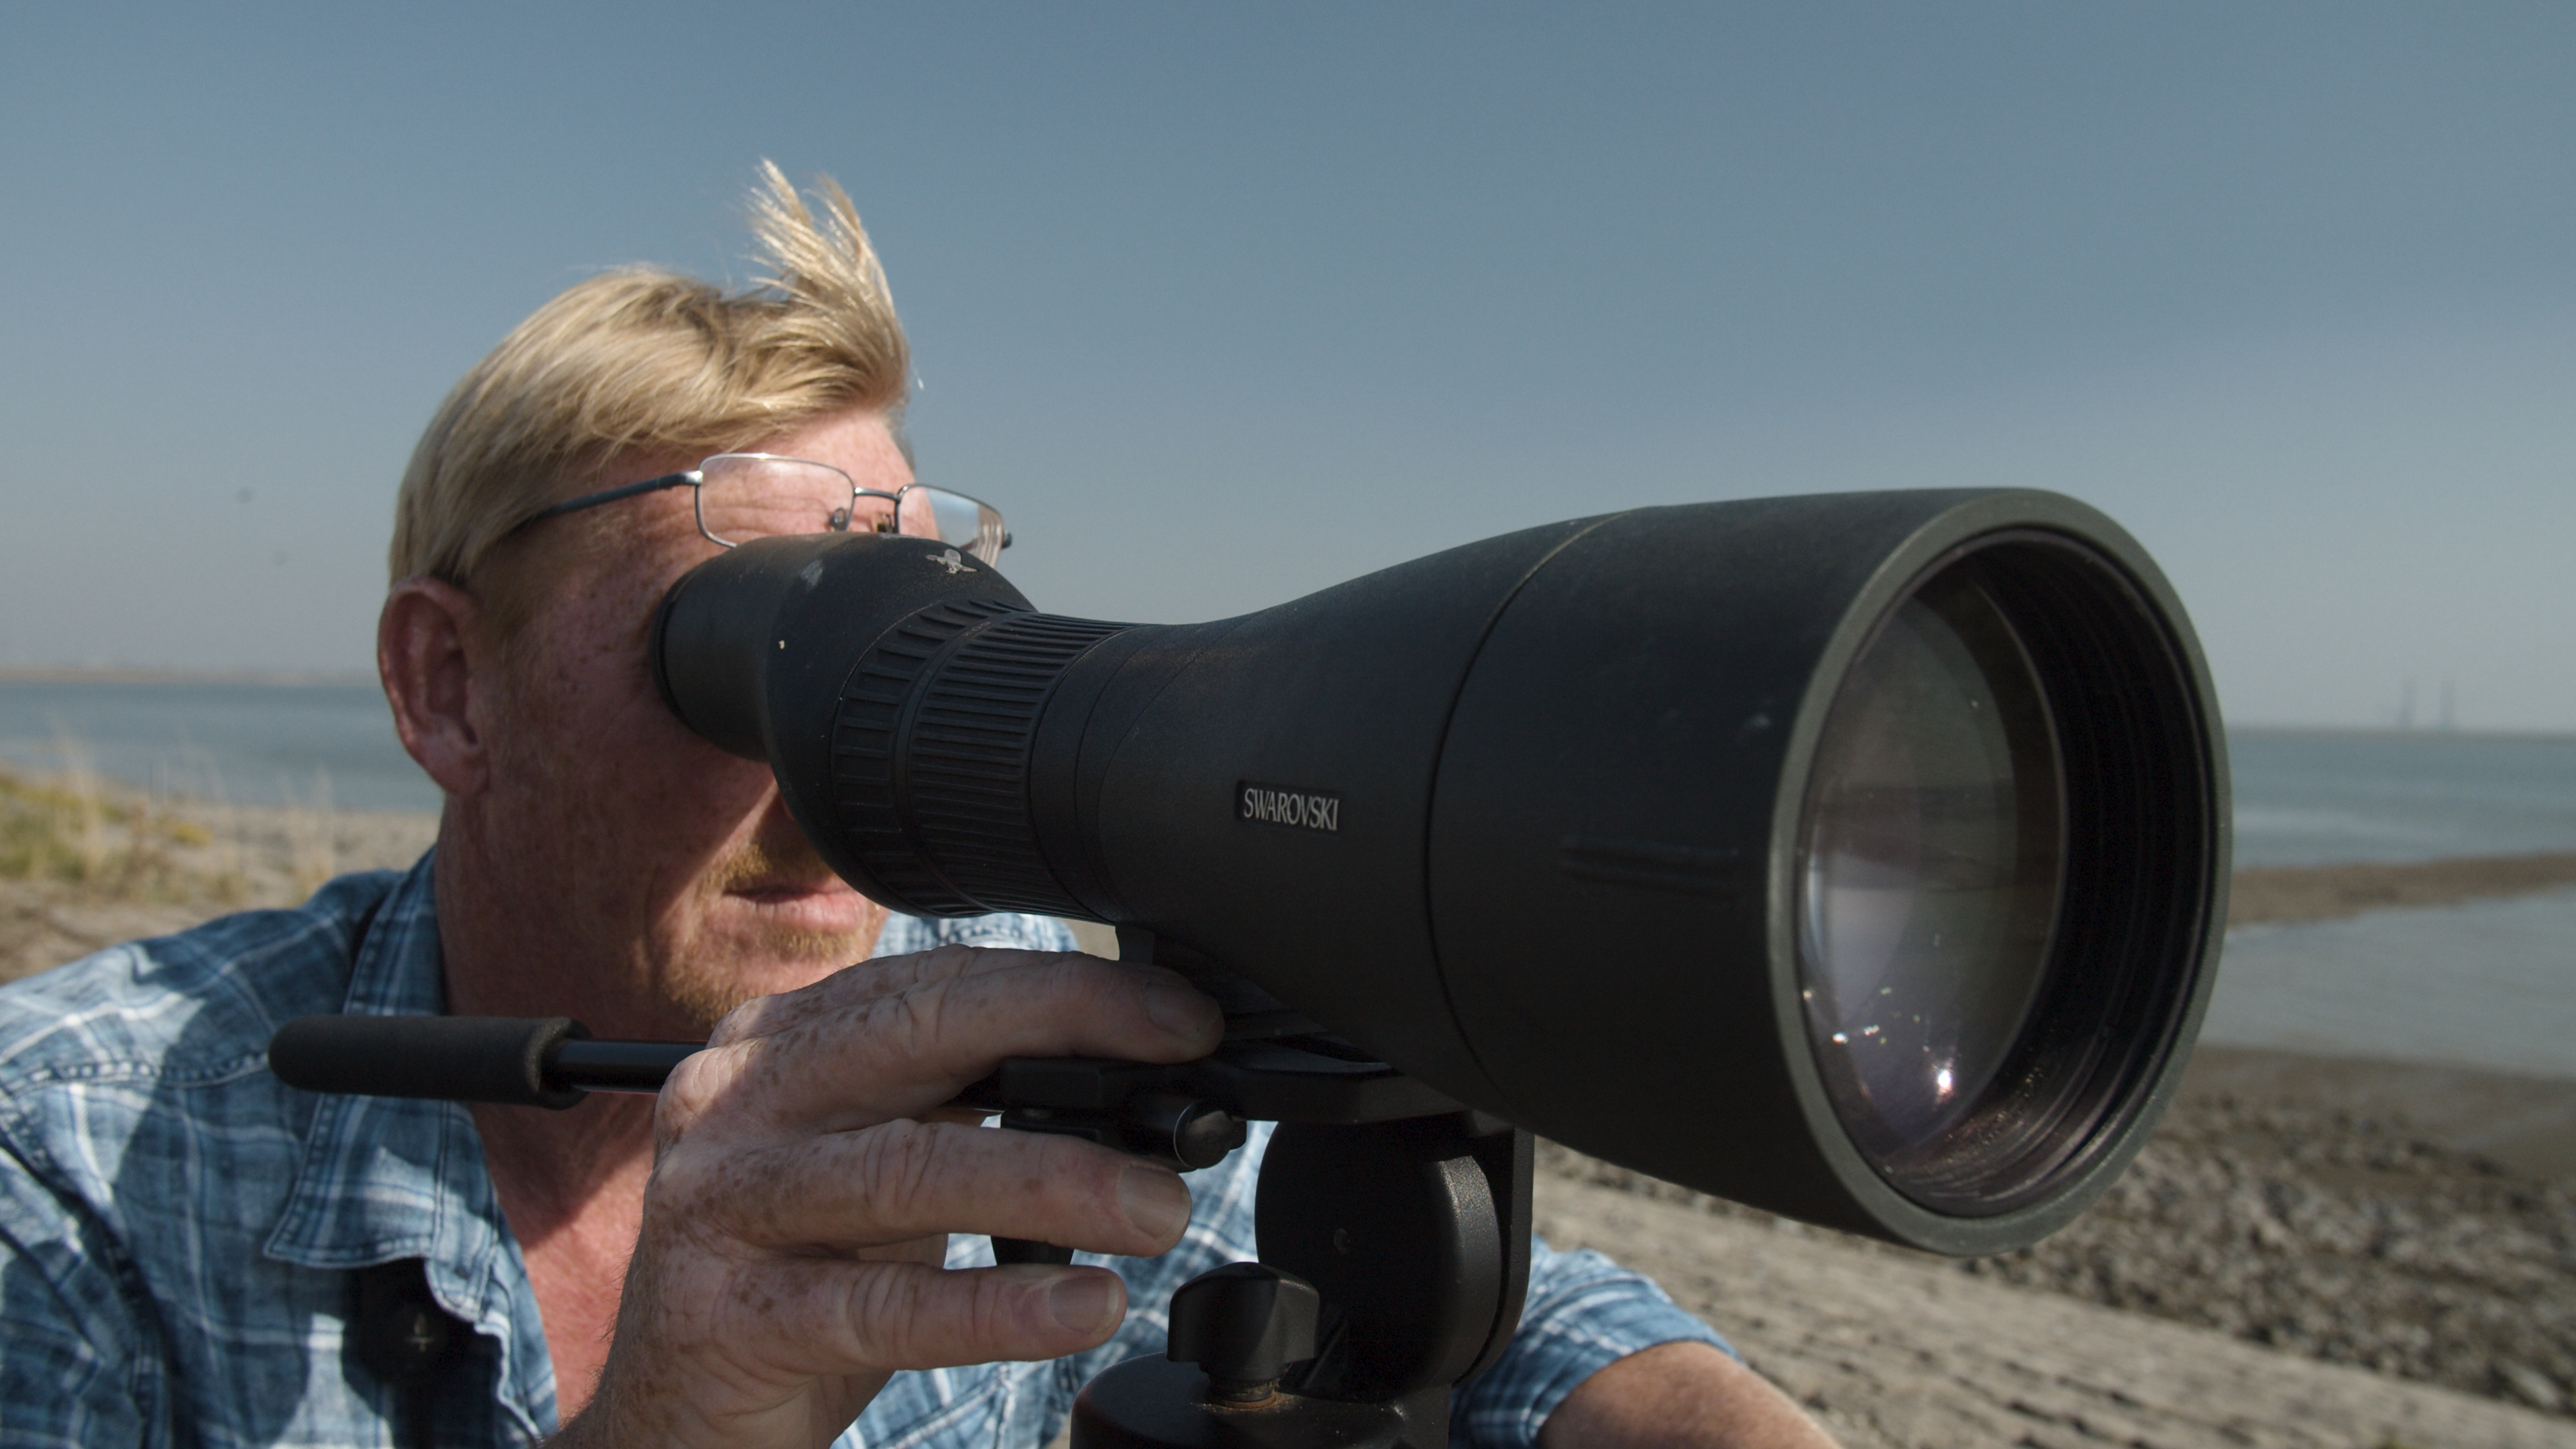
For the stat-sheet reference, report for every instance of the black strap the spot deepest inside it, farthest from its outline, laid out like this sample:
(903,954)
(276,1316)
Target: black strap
(398,1333)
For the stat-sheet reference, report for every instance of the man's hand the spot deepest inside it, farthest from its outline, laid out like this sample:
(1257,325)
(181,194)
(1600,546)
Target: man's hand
(804,1184)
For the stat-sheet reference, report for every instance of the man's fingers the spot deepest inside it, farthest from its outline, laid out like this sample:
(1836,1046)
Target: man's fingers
(842,1318)
(904,1052)
(903,1180)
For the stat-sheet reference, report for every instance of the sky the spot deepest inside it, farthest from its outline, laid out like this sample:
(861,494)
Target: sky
(1221,305)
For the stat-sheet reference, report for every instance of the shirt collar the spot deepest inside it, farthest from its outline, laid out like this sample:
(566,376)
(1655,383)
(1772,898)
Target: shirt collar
(384,1178)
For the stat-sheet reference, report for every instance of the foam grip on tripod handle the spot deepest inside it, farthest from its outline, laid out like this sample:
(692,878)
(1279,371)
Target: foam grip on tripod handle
(499,1059)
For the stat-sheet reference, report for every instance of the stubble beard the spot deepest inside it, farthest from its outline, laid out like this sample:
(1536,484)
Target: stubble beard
(707,978)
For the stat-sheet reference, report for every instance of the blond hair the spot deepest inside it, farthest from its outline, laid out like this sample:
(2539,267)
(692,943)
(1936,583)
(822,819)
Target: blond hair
(641,361)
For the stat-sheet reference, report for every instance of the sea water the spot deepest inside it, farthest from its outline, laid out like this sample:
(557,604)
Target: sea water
(2314,798)
(2488,983)
(2485,983)
(251,744)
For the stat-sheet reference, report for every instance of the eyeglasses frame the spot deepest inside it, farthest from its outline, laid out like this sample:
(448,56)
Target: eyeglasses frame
(696,478)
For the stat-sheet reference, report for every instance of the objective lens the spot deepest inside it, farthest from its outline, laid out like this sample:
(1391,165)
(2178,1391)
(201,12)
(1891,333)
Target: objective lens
(1934,848)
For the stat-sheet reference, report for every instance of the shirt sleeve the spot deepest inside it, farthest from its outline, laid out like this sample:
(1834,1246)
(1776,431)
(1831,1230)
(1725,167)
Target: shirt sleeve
(902,935)
(1583,1314)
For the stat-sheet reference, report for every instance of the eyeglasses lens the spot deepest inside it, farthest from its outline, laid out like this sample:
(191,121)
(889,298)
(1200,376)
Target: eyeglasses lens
(745,496)
(954,518)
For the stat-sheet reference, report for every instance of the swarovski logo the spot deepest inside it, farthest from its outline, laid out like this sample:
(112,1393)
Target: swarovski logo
(1298,809)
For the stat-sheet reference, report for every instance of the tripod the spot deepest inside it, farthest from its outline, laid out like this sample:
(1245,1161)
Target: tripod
(1394,1227)
(1394,1258)
(1394,1253)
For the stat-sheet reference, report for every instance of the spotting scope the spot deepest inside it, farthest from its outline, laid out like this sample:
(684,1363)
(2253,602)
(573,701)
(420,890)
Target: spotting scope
(1857,857)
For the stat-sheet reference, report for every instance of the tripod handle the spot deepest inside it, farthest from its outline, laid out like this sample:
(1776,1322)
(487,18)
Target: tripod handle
(514,1061)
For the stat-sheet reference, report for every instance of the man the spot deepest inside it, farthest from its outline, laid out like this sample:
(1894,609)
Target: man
(191,1251)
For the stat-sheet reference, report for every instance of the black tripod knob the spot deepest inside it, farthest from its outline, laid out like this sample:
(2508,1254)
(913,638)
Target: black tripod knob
(1243,1324)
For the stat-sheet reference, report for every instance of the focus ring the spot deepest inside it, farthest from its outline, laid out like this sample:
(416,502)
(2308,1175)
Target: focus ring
(967,754)
(866,739)
(931,757)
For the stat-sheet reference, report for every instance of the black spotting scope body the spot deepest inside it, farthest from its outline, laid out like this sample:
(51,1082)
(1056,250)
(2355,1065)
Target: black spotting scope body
(1858,857)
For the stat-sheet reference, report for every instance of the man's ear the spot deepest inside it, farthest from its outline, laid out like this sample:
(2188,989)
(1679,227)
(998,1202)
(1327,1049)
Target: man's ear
(437,675)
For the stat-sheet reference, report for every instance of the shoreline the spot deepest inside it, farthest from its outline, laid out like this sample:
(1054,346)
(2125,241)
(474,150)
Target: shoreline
(2304,894)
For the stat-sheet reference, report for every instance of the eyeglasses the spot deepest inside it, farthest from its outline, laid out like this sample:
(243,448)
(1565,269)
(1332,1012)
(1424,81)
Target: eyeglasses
(743,496)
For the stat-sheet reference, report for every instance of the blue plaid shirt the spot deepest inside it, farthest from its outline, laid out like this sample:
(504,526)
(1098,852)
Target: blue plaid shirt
(180,1233)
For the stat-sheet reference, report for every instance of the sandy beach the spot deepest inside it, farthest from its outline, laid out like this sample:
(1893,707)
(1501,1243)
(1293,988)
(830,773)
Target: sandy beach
(2311,1252)
(2289,1262)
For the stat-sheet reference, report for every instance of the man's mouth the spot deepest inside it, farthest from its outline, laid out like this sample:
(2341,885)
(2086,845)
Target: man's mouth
(819,905)
(766,892)
(789,887)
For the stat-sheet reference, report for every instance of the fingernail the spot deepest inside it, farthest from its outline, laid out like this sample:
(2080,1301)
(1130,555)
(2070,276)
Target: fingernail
(1082,1301)
(1157,1202)
(1181,1011)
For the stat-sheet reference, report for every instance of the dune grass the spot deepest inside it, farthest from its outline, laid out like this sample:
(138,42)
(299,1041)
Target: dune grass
(94,840)
(70,830)
(86,862)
